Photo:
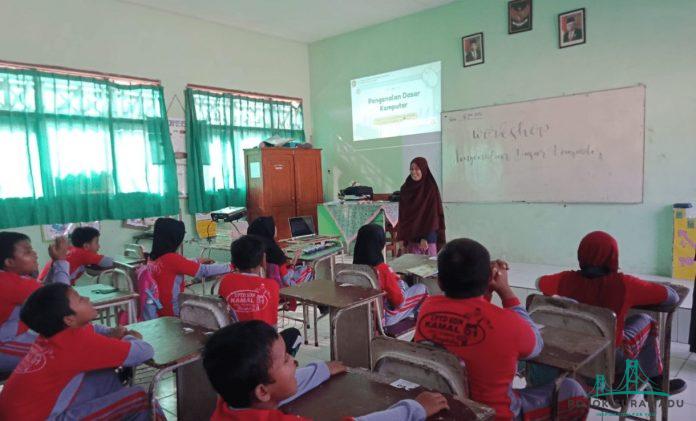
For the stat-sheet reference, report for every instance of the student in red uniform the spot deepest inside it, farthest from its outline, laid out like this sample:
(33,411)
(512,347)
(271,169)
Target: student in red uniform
(247,365)
(488,338)
(401,301)
(168,267)
(599,283)
(69,372)
(18,266)
(84,252)
(249,295)
(278,266)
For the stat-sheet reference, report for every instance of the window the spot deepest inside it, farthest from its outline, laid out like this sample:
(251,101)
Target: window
(78,148)
(219,126)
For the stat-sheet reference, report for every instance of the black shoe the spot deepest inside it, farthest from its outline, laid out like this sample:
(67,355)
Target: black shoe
(675,385)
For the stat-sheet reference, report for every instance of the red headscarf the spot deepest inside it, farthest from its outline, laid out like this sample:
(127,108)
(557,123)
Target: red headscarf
(420,207)
(598,253)
(598,282)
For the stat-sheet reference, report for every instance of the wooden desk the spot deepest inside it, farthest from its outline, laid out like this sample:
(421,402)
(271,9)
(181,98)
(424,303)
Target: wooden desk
(314,259)
(173,340)
(666,312)
(568,351)
(177,347)
(106,297)
(360,392)
(337,297)
(404,263)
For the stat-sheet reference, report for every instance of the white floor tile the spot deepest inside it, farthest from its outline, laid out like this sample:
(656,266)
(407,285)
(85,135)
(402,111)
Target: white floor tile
(679,350)
(688,370)
(689,395)
(684,413)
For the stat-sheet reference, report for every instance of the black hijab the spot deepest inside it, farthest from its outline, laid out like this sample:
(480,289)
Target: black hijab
(264,228)
(369,245)
(168,236)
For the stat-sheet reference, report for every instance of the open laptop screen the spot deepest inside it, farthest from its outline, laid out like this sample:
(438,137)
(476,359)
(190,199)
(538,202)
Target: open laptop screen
(301,226)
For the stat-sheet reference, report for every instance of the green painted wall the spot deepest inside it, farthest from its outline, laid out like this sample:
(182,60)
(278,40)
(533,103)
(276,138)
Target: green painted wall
(628,42)
(119,37)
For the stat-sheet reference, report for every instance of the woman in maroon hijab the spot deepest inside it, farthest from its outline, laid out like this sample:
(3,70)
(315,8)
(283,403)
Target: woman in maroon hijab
(421,217)
(600,283)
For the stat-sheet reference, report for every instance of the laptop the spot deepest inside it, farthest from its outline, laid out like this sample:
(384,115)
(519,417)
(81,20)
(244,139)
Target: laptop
(301,227)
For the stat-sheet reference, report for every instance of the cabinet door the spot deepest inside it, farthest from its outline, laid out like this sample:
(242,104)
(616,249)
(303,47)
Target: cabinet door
(279,181)
(308,178)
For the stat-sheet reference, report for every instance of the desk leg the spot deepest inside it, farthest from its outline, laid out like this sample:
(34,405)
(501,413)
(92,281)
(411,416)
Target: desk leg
(333,316)
(316,327)
(666,354)
(332,265)
(356,351)
(304,322)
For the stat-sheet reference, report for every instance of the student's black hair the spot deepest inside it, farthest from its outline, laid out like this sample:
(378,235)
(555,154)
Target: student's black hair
(82,235)
(8,239)
(247,252)
(237,358)
(464,268)
(45,308)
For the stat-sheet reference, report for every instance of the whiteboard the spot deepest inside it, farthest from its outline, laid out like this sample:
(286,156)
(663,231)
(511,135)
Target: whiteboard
(577,148)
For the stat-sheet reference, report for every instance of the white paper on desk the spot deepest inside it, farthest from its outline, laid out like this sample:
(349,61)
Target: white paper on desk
(423,271)
(404,384)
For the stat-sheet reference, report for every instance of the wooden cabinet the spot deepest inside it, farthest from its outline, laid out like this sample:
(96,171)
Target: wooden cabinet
(282,183)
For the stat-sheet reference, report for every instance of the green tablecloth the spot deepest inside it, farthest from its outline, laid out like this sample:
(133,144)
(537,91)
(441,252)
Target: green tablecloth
(350,216)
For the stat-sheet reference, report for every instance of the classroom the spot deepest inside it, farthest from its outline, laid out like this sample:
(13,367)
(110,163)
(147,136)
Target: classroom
(425,199)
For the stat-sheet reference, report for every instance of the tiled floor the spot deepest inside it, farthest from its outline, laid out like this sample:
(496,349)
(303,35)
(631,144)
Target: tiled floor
(682,365)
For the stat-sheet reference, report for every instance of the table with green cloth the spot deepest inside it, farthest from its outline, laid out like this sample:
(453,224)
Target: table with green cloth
(345,218)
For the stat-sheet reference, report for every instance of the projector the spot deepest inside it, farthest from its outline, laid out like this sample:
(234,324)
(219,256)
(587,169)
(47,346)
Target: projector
(229,214)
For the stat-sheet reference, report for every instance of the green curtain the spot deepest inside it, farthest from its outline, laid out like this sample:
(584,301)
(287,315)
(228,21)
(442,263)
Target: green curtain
(79,149)
(218,129)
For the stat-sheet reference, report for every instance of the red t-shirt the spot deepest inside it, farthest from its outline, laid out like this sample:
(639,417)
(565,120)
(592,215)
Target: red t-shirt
(223,412)
(33,388)
(164,271)
(389,283)
(617,292)
(489,339)
(251,297)
(14,290)
(77,258)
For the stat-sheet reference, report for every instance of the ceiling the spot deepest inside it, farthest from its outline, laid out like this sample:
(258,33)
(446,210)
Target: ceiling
(298,20)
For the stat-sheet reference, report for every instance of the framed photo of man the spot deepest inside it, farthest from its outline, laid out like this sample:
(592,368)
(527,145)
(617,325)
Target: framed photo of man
(472,49)
(571,28)
(519,16)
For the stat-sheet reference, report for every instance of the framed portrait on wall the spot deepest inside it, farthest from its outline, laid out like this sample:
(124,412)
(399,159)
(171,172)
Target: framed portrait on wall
(571,28)
(519,16)
(472,49)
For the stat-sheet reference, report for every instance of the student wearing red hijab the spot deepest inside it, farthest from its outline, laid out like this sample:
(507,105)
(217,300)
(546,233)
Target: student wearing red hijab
(599,283)
(421,216)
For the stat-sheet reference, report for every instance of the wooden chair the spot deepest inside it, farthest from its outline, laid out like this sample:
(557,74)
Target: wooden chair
(426,365)
(591,321)
(117,278)
(196,396)
(206,311)
(363,275)
(392,241)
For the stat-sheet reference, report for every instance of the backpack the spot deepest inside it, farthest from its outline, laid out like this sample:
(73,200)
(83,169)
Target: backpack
(149,294)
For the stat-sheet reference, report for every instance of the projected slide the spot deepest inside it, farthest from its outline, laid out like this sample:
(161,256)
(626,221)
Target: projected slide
(397,103)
